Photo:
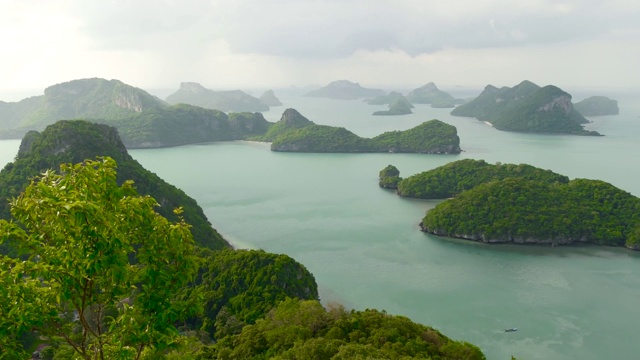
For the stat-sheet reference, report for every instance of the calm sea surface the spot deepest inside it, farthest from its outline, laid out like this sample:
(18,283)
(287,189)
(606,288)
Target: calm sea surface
(365,249)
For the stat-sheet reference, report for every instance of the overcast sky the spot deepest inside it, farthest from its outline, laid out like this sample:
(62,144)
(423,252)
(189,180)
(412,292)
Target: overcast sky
(248,44)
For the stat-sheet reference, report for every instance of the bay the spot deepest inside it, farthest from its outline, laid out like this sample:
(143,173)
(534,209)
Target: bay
(365,249)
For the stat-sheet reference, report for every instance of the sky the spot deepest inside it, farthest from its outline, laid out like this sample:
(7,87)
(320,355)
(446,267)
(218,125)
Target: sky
(253,44)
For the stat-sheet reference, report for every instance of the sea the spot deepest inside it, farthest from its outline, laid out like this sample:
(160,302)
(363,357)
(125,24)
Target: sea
(365,249)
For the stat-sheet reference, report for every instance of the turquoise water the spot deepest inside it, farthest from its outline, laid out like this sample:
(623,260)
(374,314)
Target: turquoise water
(364,246)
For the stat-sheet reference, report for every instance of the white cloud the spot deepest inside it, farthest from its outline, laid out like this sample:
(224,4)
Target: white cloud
(269,43)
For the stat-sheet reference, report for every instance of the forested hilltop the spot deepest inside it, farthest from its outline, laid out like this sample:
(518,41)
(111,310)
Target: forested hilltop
(76,140)
(102,275)
(295,133)
(526,107)
(186,124)
(453,178)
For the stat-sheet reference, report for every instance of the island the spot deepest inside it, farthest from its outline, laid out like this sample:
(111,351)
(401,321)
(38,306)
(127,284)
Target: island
(345,90)
(430,94)
(523,211)
(526,107)
(597,106)
(389,177)
(295,133)
(455,177)
(400,106)
(183,124)
(230,100)
(93,98)
(269,98)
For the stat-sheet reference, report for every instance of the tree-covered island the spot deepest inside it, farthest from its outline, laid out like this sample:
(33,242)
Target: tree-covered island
(526,107)
(508,203)
(295,133)
(597,106)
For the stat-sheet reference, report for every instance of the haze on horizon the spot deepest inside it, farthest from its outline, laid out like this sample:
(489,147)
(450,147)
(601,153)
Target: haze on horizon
(243,44)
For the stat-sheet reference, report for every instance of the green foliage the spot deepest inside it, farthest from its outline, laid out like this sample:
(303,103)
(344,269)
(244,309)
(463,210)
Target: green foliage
(296,133)
(430,137)
(305,330)
(389,99)
(522,210)
(105,272)
(241,286)
(321,138)
(389,177)
(185,124)
(453,178)
(526,108)
(75,141)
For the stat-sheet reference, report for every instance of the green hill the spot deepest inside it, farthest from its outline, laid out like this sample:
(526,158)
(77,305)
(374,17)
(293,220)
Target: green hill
(235,100)
(77,140)
(518,210)
(526,108)
(295,133)
(185,124)
(597,106)
(85,98)
(453,178)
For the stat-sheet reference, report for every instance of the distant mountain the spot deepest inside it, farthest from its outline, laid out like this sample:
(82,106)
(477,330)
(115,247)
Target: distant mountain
(430,94)
(85,98)
(345,90)
(269,98)
(295,133)
(597,106)
(526,108)
(195,94)
(77,140)
(186,124)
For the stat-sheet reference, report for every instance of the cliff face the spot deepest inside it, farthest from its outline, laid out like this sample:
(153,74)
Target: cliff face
(84,98)
(77,140)
(526,108)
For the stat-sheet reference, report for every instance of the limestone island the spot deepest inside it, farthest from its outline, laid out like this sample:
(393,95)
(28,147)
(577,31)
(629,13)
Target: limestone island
(231,100)
(269,98)
(295,133)
(521,204)
(93,98)
(430,94)
(597,106)
(528,108)
(345,90)
(400,106)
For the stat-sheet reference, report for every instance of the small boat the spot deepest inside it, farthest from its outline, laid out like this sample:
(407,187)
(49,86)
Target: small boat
(510,329)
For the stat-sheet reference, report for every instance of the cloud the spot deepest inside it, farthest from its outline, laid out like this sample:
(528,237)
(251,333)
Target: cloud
(335,29)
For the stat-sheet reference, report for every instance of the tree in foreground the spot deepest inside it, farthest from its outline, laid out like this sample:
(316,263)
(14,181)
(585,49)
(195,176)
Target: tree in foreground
(104,273)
